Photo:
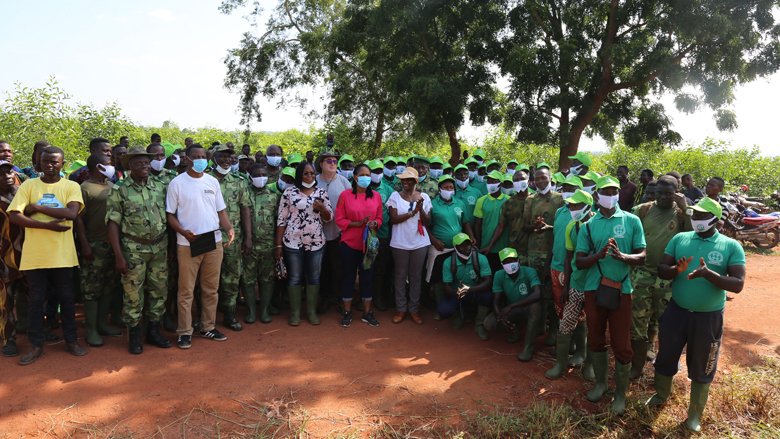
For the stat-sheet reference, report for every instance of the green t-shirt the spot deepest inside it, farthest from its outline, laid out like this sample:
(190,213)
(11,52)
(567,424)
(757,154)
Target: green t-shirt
(562,219)
(481,186)
(468,197)
(489,209)
(447,219)
(719,253)
(385,190)
(660,226)
(627,231)
(464,271)
(517,288)
(577,279)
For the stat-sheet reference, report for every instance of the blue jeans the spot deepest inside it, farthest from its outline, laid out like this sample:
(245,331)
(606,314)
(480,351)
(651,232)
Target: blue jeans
(303,267)
(352,262)
(450,304)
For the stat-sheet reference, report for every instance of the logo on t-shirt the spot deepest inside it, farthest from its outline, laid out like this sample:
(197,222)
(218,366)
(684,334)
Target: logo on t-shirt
(715,258)
(458,211)
(208,191)
(471,199)
(619,231)
(522,289)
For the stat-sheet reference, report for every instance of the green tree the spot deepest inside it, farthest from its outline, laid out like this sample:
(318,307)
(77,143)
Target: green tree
(600,65)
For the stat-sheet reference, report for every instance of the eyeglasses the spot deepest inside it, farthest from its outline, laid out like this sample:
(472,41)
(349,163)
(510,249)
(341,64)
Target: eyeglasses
(309,174)
(331,161)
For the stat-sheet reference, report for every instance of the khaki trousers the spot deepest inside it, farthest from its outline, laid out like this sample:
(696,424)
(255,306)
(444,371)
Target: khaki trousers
(206,268)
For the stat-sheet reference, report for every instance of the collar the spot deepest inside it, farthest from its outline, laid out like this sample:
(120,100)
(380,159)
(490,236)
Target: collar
(712,238)
(618,213)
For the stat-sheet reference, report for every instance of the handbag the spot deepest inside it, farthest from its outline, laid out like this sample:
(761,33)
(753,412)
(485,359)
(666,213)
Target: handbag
(370,247)
(608,292)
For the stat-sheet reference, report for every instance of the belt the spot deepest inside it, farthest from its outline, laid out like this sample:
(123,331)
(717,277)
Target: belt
(157,240)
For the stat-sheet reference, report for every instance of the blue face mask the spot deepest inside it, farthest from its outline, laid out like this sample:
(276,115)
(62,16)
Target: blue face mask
(436,173)
(274,161)
(199,165)
(363,181)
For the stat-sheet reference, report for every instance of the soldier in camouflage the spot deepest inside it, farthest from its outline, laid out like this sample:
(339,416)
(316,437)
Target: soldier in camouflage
(512,214)
(136,219)
(259,260)
(235,192)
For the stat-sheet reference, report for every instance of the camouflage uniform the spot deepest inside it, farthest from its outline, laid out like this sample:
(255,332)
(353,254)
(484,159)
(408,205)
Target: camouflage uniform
(165,176)
(259,264)
(512,217)
(234,191)
(98,276)
(429,186)
(139,210)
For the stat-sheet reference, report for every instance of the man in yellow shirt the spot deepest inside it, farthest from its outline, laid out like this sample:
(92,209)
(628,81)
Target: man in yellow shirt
(46,207)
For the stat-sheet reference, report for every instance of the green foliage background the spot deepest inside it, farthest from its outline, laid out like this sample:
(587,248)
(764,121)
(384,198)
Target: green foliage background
(31,114)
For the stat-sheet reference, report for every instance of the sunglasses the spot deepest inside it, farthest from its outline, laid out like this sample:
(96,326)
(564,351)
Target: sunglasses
(331,161)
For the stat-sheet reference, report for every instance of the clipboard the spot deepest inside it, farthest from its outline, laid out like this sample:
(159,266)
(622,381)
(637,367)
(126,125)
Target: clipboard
(203,243)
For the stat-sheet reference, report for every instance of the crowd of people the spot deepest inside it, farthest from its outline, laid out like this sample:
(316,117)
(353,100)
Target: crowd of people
(151,240)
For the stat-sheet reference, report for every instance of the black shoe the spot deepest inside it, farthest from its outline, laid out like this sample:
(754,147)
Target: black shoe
(30,357)
(10,349)
(232,323)
(184,342)
(75,349)
(214,334)
(134,345)
(52,339)
(370,319)
(346,319)
(154,337)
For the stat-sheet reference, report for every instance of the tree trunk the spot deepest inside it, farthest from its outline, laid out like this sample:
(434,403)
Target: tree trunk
(569,148)
(452,135)
(378,133)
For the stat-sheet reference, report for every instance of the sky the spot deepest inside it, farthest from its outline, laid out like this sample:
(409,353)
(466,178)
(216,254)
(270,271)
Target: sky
(163,60)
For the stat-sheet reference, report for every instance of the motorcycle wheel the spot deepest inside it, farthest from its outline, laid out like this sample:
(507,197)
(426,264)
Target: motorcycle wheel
(770,243)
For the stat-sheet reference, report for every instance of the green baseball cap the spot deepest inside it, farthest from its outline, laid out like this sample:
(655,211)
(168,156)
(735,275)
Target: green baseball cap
(490,163)
(479,152)
(459,167)
(508,178)
(580,196)
(607,181)
(294,158)
(346,158)
(470,160)
(542,165)
(591,175)
(460,238)
(288,171)
(583,157)
(78,164)
(496,175)
(420,159)
(507,253)
(708,205)
(389,159)
(436,160)
(558,177)
(374,164)
(447,165)
(446,178)
(512,162)
(573,180)
(523,167)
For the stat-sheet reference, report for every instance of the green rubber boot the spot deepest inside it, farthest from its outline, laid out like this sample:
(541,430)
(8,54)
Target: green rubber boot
(663,388)
(552,327)
(580,340)
(639,359)
(103,309)
(295,304)
(528,347)
(479,322)
(562,343)
(312,294)
(599,362)
(92,337)
(251,306)
(266,293)
(622,372)
(699,393)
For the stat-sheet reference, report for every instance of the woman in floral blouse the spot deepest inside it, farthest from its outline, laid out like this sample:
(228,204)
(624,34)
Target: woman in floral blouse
(302,210)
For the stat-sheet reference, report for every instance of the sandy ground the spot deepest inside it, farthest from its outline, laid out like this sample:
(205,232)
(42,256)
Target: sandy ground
(337,379)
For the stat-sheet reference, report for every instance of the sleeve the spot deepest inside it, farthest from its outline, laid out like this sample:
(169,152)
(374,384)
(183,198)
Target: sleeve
(427,205)
(284,210)
(74,194)
(446,273)
(527,218)
(219,200)
(114,206)
(478,213)
(392,201)
(484,266)
(326,200)
(21,199)
(379,211)
(244,199)
(638,240)
(736,255)
(342,221)
(498,280)
(570,243)
(533,277)
(583,241)
(671,247)
(172,198)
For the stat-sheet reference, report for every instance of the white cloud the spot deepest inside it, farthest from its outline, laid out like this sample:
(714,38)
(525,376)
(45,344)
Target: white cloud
(162,14)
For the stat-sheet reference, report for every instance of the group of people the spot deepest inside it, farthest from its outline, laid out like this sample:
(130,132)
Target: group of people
(160,236)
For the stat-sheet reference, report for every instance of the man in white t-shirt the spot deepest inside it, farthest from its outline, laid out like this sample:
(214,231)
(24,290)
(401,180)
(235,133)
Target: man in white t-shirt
(196,211)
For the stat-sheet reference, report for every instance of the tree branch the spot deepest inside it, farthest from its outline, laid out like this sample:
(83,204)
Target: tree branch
(652,75)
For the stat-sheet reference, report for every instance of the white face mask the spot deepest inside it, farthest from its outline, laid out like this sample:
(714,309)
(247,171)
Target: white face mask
(578,215)
(508,190)
(158,165)
(107,170)
(575,170)
(461,255)
(608,201)
(510,171)
(389,173)
(259,182)
(481,178)
(436,173)
(589,189)
(511,268)
(473,175)
(273,160)
(308,185)
(221,170)
(462,184)
(176,159)
(520,186)
(480,162)
(376,178)
(701,226)
(493,187)
(400,169)
(346,174)
(446,195)
(234,168)
(545,190)
(282,184)
(567,195)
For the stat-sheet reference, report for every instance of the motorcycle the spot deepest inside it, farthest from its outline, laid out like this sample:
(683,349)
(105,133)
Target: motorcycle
(762,230)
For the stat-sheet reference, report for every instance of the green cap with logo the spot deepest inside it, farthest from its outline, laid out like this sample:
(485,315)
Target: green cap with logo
(496,176)
(572,180)
(580,196)
(607,181)
(294,159)
(288,171)
(389,159)
(583,158)
(374,165)
(558,177)
(445,178)
(591,175)
(708,205)
(346,158)
(507,253)
(460,238)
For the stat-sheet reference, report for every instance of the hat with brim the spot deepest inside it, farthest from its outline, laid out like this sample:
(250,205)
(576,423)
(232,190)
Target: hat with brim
(223,148)
(523,167)
(490,163)
(244,157)
(390,159)
(436,160)
(580,196)
(507,253)
(75,166)
(445,178)
(460,238)
(409,172)
(507,178)
(495,175)
(346,158)
(582,157)
(558,177)
(479,153)
(459,167)
(294,158)
(542,165)
(572,180)
(420,159)
(708,205)
(512,162)
(591,175)
(471,160)
(374,165)
(288,171)
(136,151)
(607,181)
(447,166)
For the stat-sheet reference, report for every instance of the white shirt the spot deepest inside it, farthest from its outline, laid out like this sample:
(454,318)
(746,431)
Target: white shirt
(195,202)
(405,235)
(334,188)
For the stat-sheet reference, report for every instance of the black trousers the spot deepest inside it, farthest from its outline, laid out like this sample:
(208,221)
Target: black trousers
(57,282)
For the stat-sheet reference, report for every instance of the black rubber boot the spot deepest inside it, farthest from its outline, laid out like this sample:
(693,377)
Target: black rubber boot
(134,344)
(154,337)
